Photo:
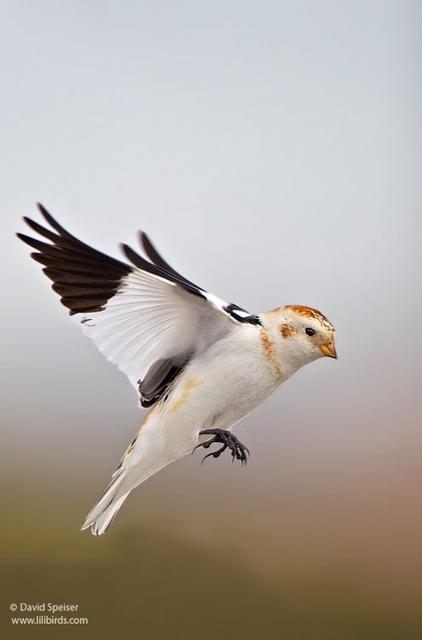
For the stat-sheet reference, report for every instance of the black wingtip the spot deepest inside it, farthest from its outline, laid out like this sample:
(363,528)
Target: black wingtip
(23,237)
(32,224)
(144,240)
(150,250)
(135,258)
(53,222)
(42,209)
(162,264)
(47,216)
(125,248)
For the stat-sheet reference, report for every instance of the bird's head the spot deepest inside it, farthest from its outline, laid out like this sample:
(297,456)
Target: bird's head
(299,334)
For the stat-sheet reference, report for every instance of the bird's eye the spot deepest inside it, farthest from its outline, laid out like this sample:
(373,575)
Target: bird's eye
(309,331)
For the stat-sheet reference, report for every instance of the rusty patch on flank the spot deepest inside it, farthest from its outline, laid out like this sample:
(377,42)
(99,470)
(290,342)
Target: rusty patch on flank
(147,418)
(189,386)
(311,313)
(269,352)
(131,447)
(287,330)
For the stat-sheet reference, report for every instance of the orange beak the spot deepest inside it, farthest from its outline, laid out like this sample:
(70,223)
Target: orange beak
(329,350)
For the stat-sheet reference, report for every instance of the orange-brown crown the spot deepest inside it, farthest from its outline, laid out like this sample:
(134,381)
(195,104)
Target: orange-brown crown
(309,312)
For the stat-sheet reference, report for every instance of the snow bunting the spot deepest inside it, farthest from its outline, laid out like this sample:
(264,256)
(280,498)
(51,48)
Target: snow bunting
(200,363)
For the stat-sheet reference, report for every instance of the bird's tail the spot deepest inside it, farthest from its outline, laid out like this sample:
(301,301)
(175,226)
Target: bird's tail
(153,448)
(101,516)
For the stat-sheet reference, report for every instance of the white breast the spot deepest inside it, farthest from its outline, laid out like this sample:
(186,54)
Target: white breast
(216,390)
(222,386)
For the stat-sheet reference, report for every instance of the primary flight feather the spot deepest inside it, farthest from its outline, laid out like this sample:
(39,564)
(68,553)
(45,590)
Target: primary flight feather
(200,363)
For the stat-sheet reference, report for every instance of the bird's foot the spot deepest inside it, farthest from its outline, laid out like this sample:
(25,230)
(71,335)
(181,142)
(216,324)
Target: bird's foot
(228,440)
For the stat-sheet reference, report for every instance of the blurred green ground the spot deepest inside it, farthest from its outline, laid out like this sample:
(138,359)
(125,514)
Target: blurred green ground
(152,581)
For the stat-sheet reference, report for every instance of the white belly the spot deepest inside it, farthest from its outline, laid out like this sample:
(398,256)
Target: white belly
(215,391)
(218,390)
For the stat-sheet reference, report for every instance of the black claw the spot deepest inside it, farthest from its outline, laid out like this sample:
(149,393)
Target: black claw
(228,440)
(206,445)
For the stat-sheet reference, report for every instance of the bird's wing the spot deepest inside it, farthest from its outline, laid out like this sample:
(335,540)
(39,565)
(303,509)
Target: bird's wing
(145,316)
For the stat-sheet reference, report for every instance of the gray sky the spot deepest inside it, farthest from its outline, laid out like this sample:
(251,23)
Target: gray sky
(272,152)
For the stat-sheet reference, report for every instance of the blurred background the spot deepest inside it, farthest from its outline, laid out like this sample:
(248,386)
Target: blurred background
(272,151)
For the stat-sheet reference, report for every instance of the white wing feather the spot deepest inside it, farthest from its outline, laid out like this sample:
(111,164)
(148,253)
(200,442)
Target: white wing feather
(150,318)
(136,314)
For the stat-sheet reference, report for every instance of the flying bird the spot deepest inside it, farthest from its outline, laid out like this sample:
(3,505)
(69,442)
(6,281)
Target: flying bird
(198,363)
